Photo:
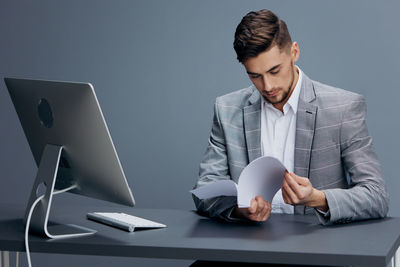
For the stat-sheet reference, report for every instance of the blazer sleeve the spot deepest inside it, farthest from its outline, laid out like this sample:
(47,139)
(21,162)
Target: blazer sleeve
(214,167)
(367,196)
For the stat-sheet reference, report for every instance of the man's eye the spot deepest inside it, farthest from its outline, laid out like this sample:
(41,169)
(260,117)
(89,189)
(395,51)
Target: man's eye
(254,76)
(274,72)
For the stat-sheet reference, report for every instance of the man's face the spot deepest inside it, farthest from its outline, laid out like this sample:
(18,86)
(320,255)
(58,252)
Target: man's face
(273,73)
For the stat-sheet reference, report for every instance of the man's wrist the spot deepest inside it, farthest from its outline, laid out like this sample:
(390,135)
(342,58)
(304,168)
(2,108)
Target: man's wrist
(318,200)
(236,213)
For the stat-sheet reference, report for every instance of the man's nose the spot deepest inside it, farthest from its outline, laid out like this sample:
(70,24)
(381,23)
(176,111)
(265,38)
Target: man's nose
(267,84)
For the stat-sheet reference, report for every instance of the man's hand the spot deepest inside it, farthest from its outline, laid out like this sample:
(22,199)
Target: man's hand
(297,190)
(259,210)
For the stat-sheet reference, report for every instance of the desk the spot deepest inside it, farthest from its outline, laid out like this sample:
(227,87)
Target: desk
(290,239)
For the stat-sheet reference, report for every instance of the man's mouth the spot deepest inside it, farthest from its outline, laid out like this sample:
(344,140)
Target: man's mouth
(272,94)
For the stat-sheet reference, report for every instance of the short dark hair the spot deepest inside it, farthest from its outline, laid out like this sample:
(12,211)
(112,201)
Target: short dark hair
(257,32)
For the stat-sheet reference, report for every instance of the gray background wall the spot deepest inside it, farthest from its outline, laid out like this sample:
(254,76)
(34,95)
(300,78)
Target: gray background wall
(157,67)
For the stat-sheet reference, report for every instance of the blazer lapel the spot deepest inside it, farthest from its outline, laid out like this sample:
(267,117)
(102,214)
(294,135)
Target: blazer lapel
(305,127)
(252,126)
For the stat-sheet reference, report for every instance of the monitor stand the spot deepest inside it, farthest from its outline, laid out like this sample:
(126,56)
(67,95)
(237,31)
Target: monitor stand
(46,177)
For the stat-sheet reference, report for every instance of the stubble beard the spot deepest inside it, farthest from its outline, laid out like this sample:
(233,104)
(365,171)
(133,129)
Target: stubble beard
(285,93)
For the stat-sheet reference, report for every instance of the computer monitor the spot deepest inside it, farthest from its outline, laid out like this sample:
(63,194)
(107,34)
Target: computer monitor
(71,145)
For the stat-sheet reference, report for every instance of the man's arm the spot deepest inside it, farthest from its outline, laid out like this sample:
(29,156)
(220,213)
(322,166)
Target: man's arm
(214,167)
(367,196)
(297,190)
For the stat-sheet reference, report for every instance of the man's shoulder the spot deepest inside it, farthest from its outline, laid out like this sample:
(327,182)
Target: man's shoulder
(238,98)
(329,96)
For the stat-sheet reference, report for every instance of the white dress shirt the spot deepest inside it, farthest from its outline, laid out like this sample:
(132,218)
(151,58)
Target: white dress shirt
(278,132)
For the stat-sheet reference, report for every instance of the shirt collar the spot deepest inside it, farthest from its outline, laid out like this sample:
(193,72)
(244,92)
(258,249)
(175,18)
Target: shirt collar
(293,100)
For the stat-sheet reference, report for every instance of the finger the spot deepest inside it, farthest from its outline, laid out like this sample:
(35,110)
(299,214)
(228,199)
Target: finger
(290,194)
(256,213)
(284,178)
(253,206)
(285,194)
(293,184)
(300,180)
(268,213)
(254,218)
(283,190)
(285,197)
(264,212)
(260,199)
(260,204)
(260,211)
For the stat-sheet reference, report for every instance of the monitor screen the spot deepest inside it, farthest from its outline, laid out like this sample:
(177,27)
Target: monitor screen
(66,118)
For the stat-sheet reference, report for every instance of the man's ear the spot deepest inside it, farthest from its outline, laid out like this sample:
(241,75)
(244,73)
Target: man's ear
(295,51)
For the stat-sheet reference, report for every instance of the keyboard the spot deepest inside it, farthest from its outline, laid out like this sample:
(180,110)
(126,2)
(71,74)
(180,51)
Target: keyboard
(123,221)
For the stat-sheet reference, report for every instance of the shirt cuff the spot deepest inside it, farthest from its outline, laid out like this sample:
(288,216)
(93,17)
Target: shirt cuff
(323,217)
(326,214)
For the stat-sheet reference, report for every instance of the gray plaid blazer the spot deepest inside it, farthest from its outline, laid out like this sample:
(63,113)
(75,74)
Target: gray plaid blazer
(332,148)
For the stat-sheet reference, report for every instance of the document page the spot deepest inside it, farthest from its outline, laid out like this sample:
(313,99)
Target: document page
(215,189)
(262,177)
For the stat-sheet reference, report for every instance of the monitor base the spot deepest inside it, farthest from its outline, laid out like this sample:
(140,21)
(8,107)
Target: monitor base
(68,230)
(45,179)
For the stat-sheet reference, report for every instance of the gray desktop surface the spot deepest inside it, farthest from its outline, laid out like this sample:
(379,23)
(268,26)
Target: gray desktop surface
(290,239)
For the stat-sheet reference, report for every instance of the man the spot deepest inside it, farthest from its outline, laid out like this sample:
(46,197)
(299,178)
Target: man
(317,131)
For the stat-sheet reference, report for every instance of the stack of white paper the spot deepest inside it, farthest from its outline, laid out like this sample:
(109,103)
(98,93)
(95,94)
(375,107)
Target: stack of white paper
(262,177)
